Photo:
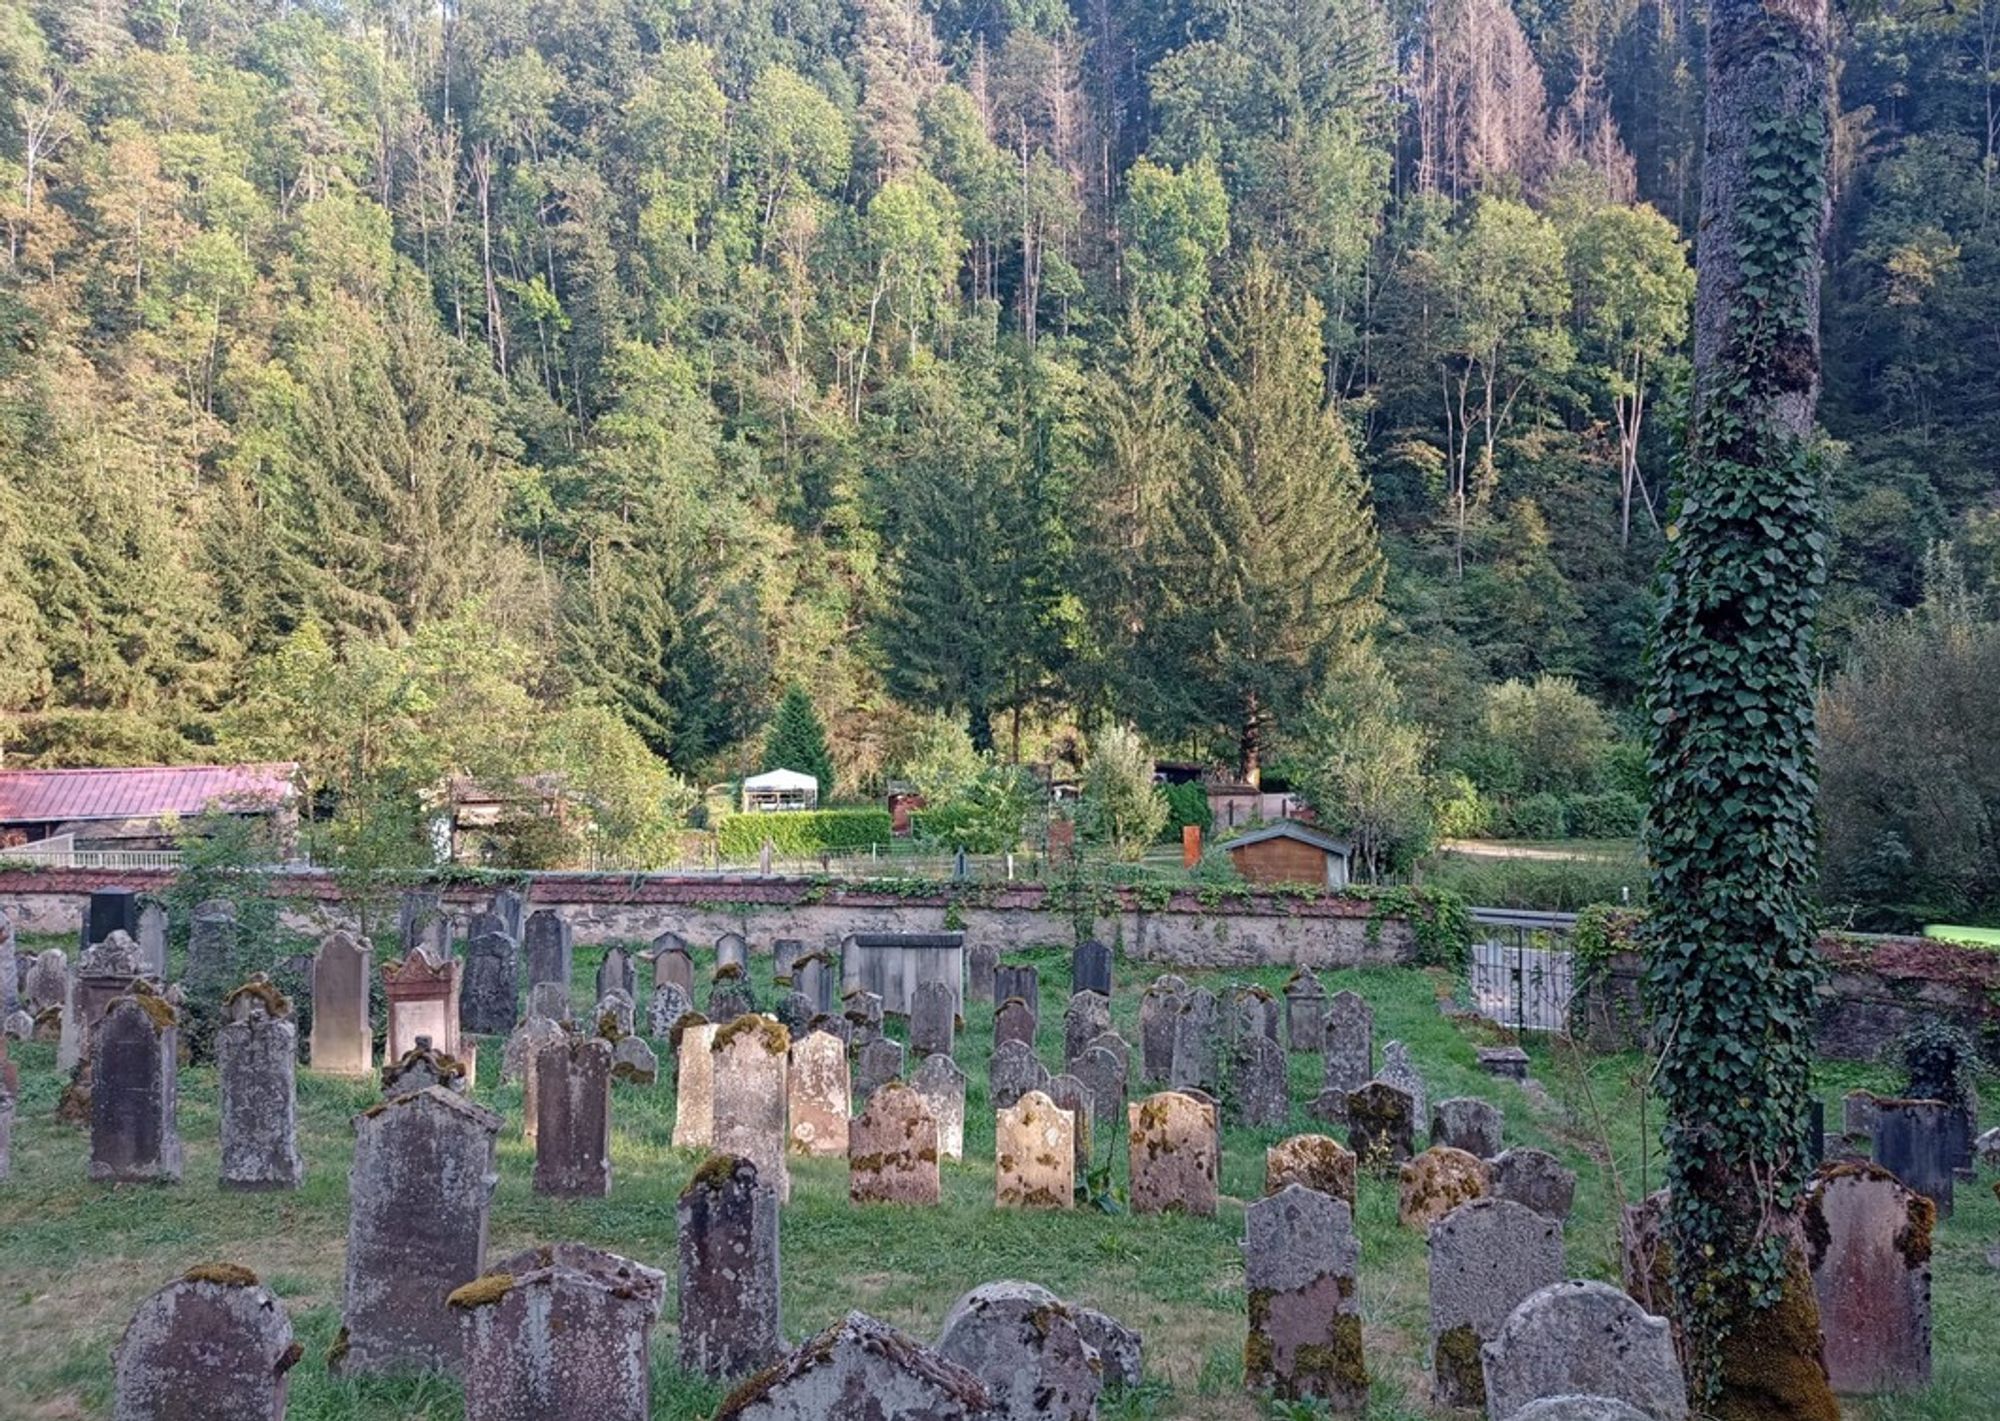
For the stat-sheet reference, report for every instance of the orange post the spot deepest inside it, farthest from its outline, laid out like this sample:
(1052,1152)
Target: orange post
(1190,845)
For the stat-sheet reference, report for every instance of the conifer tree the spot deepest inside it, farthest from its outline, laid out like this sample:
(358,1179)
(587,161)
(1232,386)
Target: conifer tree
(797,740)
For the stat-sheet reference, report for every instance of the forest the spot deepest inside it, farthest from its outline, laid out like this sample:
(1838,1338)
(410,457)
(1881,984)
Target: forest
(493,387)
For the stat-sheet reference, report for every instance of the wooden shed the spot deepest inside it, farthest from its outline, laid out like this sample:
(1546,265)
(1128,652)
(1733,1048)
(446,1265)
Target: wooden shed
(1291,853)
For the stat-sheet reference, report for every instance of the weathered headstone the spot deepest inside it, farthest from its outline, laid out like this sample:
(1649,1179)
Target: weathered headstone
(1317,1161)
(152,936)
(549,1001)
(18,1026)
(573,1117)
(1305,1012)
(881,1062)
(785,953)
(668,1006)
(1507,1063)
(1159,1021)
(1013,1071)
(1583,1338)
(1174,1154)
(1197,1042)
(488,1004)
(1300,1261)
(47,982)
(1022,982)
(423,1001)
(933,1019)
(562,1333)
(819,1105)
(1262,1095)
(863,1011)
(343,1040)
(1102,1074)
(749,1057)
(1485,1257)
(211,948)
(1381,1124)
(1119,1348)
(1034,1155)
(673,962)
(861,1367)
(11,967)
(214,1345)
(1014,1020)
(1435,1182)
(1024,1344)
(1869,1246)
(1087,1014)
(614,1016)
(1350,1043)
(634,1062)
(1090,969)
(1578,1408)
(795,1012)
(732,950)
(815,977)
(1467,1123)
(518,1064)
(727,1227)
(510,908)
(942,1085)
(1069,1093)
(1535,1178)
(134,1098)
(550,945)
(421,1067)
(982,959)
(618,973)
(1250,1011)
(418,1192)
(1913,1142)
(1401,1072)
(422,922)
(892,1150)
(256,1054)
(1858,1111)
(694,1091)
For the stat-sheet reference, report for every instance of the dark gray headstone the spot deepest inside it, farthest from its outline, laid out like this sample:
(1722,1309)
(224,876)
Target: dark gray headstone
(1381,1123)
(815,977)
(550,945)
(1022,982)
(1198,1042)
(1159,1021)
(422,922)
(489,993)
(1913,1142)
(1350,1043)
(1102,1074)
(1262,1094)
(982,961)
(256,1056)
(511,909)
(1305,1013)
(785,952)
(1090,969)
(108,911)
(1467,1123)
(1087,1015)
(861,1362)
(617,972)
(1537,1179)
(881,1062)
(933,1021)
(134,1093)
(573,1117)
(727,1237)
(1014,1020)
(1012,1073)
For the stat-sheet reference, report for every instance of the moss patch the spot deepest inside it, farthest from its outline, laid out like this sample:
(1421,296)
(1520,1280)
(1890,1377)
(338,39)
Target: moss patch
(226,1275)
(482,1292)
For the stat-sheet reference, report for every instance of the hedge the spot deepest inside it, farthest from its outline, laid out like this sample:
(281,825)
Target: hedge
(803,831)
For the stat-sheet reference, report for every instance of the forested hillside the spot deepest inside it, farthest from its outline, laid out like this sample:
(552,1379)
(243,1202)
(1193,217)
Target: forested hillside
(558,381)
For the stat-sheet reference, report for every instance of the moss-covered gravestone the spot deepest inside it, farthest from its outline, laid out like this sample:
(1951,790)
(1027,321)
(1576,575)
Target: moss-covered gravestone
(134,1097)
(1300,1259)
(1868,1242)
(1023,1342)
(1485,1257)
(727,1241)
(1584,1338)
(212,1344)
(892,1150)
(749,1057)
(1174,1156)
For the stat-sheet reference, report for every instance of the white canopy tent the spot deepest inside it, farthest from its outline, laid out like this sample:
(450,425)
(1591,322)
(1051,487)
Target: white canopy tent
(778,790)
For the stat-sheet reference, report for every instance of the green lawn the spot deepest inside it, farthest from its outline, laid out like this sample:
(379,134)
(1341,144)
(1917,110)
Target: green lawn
(76,1258)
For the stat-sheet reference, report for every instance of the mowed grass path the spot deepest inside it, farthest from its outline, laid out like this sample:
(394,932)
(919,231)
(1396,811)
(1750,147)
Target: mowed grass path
(76,1258)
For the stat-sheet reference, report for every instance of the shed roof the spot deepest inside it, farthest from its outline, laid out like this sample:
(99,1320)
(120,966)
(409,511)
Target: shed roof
(1287,829)
(780,780)
(144,792)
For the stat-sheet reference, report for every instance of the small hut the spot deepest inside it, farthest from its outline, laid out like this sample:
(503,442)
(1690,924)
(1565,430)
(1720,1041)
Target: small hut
(778,791)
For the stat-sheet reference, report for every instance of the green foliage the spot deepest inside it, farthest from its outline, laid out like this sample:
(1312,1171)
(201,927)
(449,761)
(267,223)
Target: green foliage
(1187,804)
(797,740)
(1120,807)
(1363,766)
(988,816)
(800,833)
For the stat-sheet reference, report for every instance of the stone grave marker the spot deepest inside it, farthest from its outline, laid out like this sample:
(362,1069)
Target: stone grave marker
(422,922)
(820,1096)
(551,947)
(1198,1042)
(1102,1075)
(343,1040)
(47,982)
(1090,969)
(1869,1246)
(1381,1124)
(213,1345)
(614,1017)
(1507,1063)
(732,950)
(861,1358)
(1022,982)
(1305,1012)
(1034,1155)
(1262,1087)
(1584,1338)
(418,1192)
(1024,1344)
(562,1333)
(673,962)
(1069,1093)
(982,959)
(1319,1162)
(1249,1012)
(421,1067)
(664,1012)
(942,1085)
(1578,1408)
(211,948)
(423,997)
(11,967)
(1858,1111)
(1121,1350)
(108,911)
(1913,1141)
(1535,1178)
(1012,1072)
(1435,1182)
(795,1012)
(573,1117)
(881,1062)
(105,971)
(815,976)
(1088,1014)
(1350,1043)
(863,1011)
(1401,1072)
(1300,1260)
(731,996)
(694,1093)
(1486,1256)
(1174,1154)
(892,1150)
(488,1004)
(618,973)
(524,1046)
(509,908)
(1159,1018)
(1014,1020)
(727,1227)
(8,1095)
(933,1019)
(256,1054)
(1467,1123)
(134,1097)
(152,936)
(749,1057)
(634,1062)
(549,1001)
(785,953)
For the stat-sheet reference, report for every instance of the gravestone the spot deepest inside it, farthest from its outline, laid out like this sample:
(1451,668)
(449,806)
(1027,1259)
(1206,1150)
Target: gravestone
(1319,1162)
(1012,1072)
(549,1001)
(1022,982)
(423,996)
(1102,1075)
(932,1021)
(672,962)
(1159,1019)
(1118,1046)
(562,1333)
(1174,1141)
(815,976)
(134,1094)
(418,1191)
(785,953)
(421,1067)
(1913,1142)
(1034,1155)
(47,982)
(795,1012)
(634,1062)
(881,1062)
(818,1083)
(489,1001)
(694,1091)
(550,944)
(982,959)
(422,922)
(1869,1246)
(1198,1042)
(861,1363)
(1535,1178)
(343,1040)
(1024,1344)
(152,936)
(1305,1013)
(1858,1112)
(1350,1043)
(863,1011)
(1069,1093)
(256,1054)
(1300,1260)
(11,967)
(1381,1125)
(1121,1350)
(573,1118)
(1507,1063)
(732,950)
(1485,1257)
(105,971)
(108,911)
(1938,1070)
(731,996)
(1014,1021)
(942,1085)
(523,1047)
(748,1057)
(618,973)
(1262,1088)
(18,1026)
(1435,1182)
(8,1095)
(1250,1011)
(1401,1072)
(1467,1123)
(213,1345)
(668,1006)
(1088,1014)
(211,948)
(1090,969)
(892,1150)
(1581,1338)
(614,1016)
(727,1249)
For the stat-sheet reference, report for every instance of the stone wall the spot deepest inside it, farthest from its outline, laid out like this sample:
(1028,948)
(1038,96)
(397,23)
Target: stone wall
(1237,931)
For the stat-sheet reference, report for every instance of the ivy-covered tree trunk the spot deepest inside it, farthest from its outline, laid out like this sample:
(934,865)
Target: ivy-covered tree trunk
(1731,833)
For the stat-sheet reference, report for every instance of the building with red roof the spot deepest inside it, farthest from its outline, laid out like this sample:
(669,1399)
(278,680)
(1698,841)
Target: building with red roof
(142,807)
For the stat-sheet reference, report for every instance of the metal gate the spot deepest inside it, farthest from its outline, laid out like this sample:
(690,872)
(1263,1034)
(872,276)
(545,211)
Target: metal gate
(1522,977)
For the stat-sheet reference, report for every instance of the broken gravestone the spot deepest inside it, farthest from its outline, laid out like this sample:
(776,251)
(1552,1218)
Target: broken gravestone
(1024,1344)
(1584,1338)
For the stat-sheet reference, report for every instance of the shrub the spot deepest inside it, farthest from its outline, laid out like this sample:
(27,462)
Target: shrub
(1539,816)
(800,832)
(1186,804)
(989,817)
(1612,814)
(1459,810)
(1120,807)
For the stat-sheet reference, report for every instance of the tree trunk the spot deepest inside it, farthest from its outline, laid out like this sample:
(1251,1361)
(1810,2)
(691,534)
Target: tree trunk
(1252,743)
(1731,835)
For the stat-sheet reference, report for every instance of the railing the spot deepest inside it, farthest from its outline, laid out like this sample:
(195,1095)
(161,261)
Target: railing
(62,852)
(1522,976)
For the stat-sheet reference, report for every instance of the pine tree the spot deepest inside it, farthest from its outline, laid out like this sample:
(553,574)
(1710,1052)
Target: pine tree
(797,740)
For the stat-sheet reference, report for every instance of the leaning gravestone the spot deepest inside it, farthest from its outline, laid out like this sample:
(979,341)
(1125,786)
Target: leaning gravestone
(942,1085)
(1319,1162)
(1485,1257)
(1024,1343)
(727,1241)
(748,1057)
(982,959)
(694,1093)
(861,1363)
(1913,1142)
(1012,1072)
(418,1192)
(1034,1155)
(1022,982)
(1381,1124)
(1197,1058)
(933,1019)
(1869,1245)
(1262,1098)
(550,945)
(213,1345)
(562,1333)
(343,1041)
(256,1055)
(1159,1017)
(818,1083)
(573,1117)
(488,1002)
(1305,1013)
(1088,1014)
(1535,1178)
(881,1062)
(1174,1146)
(1090,969)
(616,973)
(1581,1338)
(1014,1020)
(134,1102)
(892,1151)
(1467,1123)
(1300,1260)
(1350,1043)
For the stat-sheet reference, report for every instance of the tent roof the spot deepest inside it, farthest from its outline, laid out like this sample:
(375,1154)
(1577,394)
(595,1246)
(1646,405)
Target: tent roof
(780,780)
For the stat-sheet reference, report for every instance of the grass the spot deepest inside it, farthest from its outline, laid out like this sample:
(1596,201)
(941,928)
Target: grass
(77,1258)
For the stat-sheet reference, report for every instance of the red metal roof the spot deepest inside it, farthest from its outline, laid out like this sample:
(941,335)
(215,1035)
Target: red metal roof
(48,796)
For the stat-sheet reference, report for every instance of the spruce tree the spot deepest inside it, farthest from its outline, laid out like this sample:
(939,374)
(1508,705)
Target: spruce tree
(797,740)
